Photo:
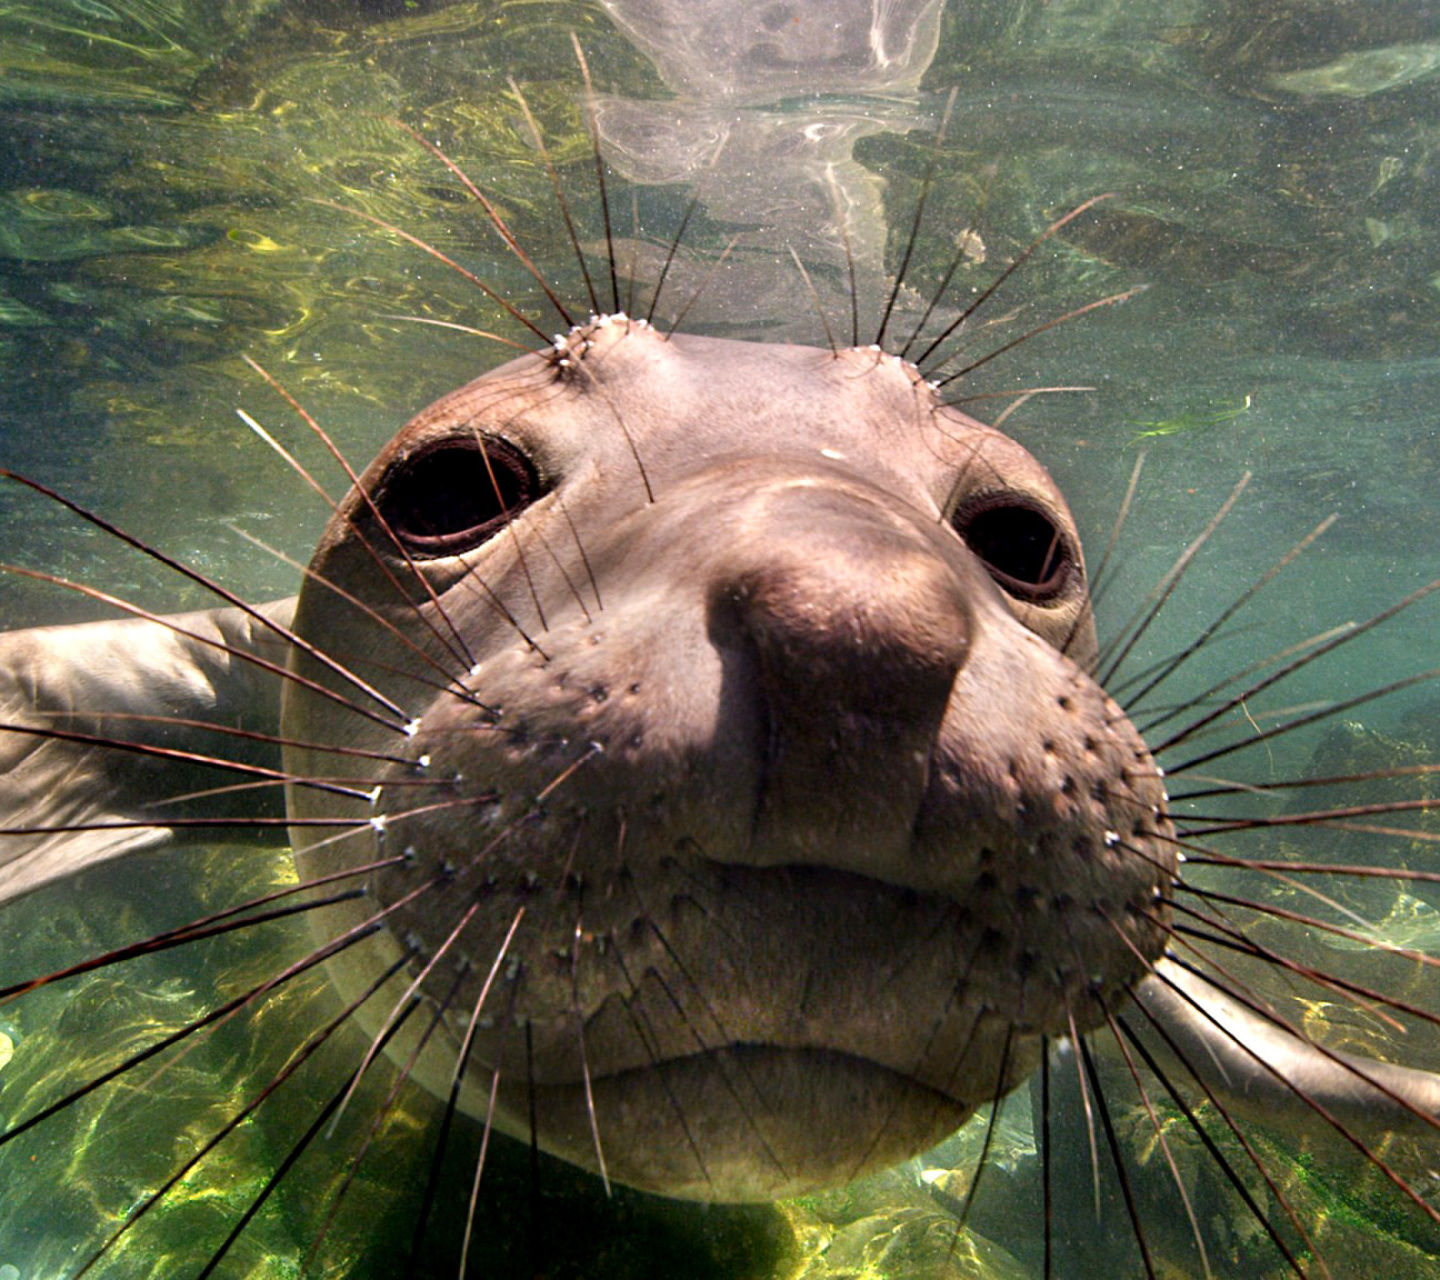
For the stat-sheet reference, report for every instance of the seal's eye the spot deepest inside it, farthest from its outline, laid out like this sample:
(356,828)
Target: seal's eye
(1027,555)
(454,495)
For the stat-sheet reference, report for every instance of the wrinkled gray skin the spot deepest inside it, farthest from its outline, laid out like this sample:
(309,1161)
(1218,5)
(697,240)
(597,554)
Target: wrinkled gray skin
(812,822)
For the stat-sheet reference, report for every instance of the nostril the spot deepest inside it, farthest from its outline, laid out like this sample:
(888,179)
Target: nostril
(876,630)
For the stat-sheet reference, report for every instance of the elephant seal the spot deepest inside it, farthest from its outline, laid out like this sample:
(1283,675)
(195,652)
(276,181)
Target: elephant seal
(741,672)
(712,726)
(706,734)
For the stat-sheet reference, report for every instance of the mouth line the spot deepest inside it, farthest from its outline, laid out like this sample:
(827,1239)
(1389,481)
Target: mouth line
(762,1058)
(840,879)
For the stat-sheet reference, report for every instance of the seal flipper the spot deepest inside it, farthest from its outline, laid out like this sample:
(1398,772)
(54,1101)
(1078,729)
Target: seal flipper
(1269,1074)
(82,709)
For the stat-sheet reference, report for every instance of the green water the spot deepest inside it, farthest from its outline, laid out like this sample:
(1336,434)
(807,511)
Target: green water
(1277,188)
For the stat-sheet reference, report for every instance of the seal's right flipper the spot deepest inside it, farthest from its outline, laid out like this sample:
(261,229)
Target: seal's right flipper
(104,735)
(1266,1072)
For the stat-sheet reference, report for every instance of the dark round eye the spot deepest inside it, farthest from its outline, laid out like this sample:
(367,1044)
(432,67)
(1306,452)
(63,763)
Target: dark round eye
(452,496)
(1026,554)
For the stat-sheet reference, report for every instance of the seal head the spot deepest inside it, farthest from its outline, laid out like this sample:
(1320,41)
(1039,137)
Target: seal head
(750,750)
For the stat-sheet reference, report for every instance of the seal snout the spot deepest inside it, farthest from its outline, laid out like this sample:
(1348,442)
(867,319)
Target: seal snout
(856,624)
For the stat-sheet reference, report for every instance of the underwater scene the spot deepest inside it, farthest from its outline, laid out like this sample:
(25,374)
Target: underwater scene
(1202,243)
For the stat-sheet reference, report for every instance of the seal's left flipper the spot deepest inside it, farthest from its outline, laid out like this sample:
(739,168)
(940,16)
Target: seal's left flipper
(99,719)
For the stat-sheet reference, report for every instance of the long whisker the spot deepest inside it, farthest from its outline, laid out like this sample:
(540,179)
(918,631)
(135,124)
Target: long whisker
(217,925)
(291,1157)
(1018,399)
(296,1061)
(1047,1201)
(446,684)
(1224,1113)
(1117,1161)
(1082,1080)
(439,256)
(579,936)
(509,523)
(563,571)
(1289,725)
(1349,869)
(561,203)
(1221,1162)
(350,825)
(1209,697)
(1212,897)
(456,642)
(467,916)
(214,588)
(479,1171)
(837,203)
(815,301)
(984,1157)
(1113,300)
(1350,634)
(619,417)
(1250,946)
(170,624)
(926,183)
(584,558)
(700,288)
(674,247)
(1200,825)
(410,994)
(1257,1007)
(1208,634)
(382,1115)
(1364,1000)
(1228,787)
(493,214)
(989,291)
(290,460)
(1158,1130)
(1099,582)
(456,327)
(227,731)
(600,189)
(1156,601)
(452,1102)
(156,752)
(363,929)
(963,252)
(213,1017)
(1280,880)
(1099,579)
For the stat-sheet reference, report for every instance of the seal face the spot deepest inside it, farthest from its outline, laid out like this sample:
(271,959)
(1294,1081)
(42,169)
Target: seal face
(766,799)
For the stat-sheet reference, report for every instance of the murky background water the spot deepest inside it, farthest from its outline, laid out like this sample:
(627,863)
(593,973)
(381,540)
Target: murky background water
(1276,172)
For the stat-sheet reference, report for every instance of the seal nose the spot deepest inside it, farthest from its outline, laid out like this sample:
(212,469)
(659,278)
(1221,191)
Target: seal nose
(857,628)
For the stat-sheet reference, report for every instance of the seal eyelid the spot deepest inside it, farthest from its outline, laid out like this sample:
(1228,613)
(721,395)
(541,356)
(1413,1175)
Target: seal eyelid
(1023,548)
(451,496)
